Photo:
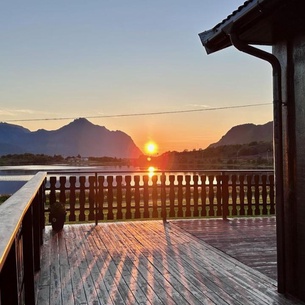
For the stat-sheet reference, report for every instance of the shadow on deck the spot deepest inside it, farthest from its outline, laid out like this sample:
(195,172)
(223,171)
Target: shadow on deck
(145,262)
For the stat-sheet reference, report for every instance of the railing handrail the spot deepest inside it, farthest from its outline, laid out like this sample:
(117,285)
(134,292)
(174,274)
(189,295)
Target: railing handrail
(12,212)
(158,171)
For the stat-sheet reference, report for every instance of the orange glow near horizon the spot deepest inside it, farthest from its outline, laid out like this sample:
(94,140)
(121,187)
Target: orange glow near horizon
(151,148)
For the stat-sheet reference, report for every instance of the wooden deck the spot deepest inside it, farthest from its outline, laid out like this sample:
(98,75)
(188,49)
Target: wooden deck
(144,263)
(251,241)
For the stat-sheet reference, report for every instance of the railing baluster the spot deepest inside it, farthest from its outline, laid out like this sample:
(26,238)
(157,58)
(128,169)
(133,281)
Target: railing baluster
(155,213)
(257,195)
(62,188)
(110,198)
(271,194)
(234,194)
(128,197)
(146,196)
(264,194)
(225,196)
(195,195)
(242,194)
(52,197)
(218,195)
(211,196)
(100,197)
(188,196)
(137,214)
(82,198)
(203,196)
(91,198)
(172,196)
(180,196)
(119,180)
(249,194)
(72,198)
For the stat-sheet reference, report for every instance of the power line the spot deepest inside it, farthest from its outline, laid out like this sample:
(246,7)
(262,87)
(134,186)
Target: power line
(143,113)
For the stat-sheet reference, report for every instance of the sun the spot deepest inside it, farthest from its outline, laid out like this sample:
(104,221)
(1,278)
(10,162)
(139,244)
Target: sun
(151,148)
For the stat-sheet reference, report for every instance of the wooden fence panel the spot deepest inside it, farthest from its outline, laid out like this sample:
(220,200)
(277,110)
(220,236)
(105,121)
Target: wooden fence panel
(98,197)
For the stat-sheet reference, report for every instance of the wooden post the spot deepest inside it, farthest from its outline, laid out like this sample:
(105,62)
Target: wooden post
(28,257)
(9,280)
(36,231)
(163,196)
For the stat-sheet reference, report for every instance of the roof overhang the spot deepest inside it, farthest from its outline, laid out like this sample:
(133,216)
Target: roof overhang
(258,22)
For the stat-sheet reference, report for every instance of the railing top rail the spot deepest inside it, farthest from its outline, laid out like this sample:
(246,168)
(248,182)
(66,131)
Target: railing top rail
(12,212)
(194,171)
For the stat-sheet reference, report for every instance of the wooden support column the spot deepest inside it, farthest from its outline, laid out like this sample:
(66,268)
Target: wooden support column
(8,279)
(28,257)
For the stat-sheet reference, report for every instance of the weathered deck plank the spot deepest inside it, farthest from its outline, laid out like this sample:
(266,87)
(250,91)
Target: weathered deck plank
(252,241)
(144,263)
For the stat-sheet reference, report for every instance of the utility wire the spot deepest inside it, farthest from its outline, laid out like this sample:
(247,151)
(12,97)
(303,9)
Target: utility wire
(142,114)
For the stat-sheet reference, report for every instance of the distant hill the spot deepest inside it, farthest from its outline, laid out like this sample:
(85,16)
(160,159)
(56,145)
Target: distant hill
(80,137)
(246,133)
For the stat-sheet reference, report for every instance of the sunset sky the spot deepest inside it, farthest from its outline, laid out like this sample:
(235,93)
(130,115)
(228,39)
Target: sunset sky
(62,60)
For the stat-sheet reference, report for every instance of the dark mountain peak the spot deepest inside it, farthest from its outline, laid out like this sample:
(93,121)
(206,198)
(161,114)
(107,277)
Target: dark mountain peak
(247,133)
(82,124)
(79,137)
(6,127)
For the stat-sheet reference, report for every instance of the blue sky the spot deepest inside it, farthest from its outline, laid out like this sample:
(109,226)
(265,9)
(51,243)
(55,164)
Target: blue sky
(70,59)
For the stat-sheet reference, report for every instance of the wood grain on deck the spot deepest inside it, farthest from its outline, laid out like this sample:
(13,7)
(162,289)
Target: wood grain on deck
(252,241)
(144,263)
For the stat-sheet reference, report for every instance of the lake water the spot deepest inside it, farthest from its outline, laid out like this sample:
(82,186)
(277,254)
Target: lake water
(13,178)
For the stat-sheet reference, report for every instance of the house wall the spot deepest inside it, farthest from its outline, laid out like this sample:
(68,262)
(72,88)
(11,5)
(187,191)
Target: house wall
(291,53)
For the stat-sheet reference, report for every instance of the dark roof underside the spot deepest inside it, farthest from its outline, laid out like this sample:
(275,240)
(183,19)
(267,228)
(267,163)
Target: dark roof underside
(259,22)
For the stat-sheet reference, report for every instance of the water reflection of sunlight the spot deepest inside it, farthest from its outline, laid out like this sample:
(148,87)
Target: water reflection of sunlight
(151,171)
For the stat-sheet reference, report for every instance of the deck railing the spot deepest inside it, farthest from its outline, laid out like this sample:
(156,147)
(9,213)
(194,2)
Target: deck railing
(21,227)
(102,196)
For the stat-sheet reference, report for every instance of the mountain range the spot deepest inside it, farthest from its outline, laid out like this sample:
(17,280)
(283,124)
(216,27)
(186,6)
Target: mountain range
(83,138)
(80,137)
